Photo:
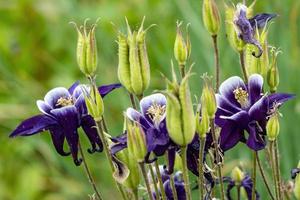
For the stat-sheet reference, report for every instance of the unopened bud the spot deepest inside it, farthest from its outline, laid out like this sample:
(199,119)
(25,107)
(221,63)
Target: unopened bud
(136,141)
(211,16)
(202,123)
(273,126)
(178,162)
(94,103)
(237,175)
(208,97)
(182,47)
(273,73)
(87,49)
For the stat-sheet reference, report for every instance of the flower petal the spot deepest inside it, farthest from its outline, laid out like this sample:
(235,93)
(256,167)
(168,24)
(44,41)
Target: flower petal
(225,105)
(260,20)
(247,184)
(255,87)
(278,98)
(230,135)
(241,119)
(34,125)
(72,88)
(228,86)
(255,140)
(89,127)
(53,95)
(58,139)
(43,107)
(148,101)
(68,119)
(106,89)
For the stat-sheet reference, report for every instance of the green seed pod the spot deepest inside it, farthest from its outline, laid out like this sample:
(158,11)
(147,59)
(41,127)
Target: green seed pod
(236,43)
(273,73)
(87,49)
(211,17)
(208,97)
(181,50)
(178,162)
(136,141)
(94,103)
(179,112)
(133,179)
(124,66)
(237,175)
(202,125)
(273,126)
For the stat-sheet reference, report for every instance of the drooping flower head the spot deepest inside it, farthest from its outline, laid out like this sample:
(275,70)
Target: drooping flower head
(63,112)
(244,107)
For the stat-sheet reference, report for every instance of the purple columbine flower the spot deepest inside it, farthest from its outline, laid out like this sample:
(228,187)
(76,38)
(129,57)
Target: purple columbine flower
(246,27)
(63,112)
(246,183)
(244,107)
(152,118)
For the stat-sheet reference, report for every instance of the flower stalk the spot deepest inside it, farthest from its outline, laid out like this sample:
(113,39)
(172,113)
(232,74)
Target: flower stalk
(160,182)
(200,168)
(243,66)
(143,170)
(217,61)
(254,174)
(185,173)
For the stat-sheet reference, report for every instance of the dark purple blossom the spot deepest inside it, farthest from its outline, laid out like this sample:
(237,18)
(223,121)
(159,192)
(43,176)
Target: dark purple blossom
(295,172)
(244,107)
(246,27)
(246,184)
(63,112)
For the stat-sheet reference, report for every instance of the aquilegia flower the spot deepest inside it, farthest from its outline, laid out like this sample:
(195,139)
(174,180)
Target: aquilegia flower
(246,27)
(63,112)
(244,107)
(246,184)
(152,120)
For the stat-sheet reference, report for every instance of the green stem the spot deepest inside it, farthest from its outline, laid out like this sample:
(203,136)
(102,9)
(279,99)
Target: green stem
(182,70)
(131,96)
(254,175)
(243,66)
(135,194)
(219,167)
(161,185)
(185,173)
(88,173)
(174,192)
(273,168)
(217,61)
(143,170)
(238,192)
(153,180)
(200,168)
(277,168)
(264,177)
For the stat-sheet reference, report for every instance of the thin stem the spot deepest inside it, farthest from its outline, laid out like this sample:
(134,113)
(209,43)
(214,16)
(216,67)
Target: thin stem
(277,167)
(273,168)
(243,66)
(220,175)
(182,70)
(217,61)
(161,185)
(200,168)
(254,175)
(132,100)
(88,173)
(174,192)
(264,177)
(238,192)
(185,173)
(143,170)
(153,180)
(135,194)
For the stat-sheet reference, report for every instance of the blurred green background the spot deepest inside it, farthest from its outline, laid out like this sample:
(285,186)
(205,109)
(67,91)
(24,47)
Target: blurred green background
(37,53)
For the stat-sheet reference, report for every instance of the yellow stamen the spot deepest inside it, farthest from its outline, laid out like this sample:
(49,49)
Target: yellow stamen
(65,101)
(156,111)
(241,96)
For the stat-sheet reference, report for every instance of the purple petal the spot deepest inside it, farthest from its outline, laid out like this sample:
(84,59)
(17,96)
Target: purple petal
(295,172)
(78,91)
(228,86)
(105,89)
(247,184)
(260,20)
(278,98)
(34,125)
(53,95)
(255,140)
(58,139)
(241,119)
(72,88)
(259,111)
(230,135)
(133,115)
(68,119)
(225,105)
(150,100)
(255,87)
(171,160)
(43,107)
(89,127)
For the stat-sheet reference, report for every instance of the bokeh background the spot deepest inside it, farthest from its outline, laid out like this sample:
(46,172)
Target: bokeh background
(37,53)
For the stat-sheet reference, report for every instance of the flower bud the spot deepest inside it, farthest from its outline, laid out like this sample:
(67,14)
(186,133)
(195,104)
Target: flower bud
(202,123)
(136,141)
(179,111)
(273,126)
(133,179)
(236,43)
(182,47)
(208,97)
(178,162)
(87,49)
(237,175)
(273,73)
(211,16)
(94,103)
